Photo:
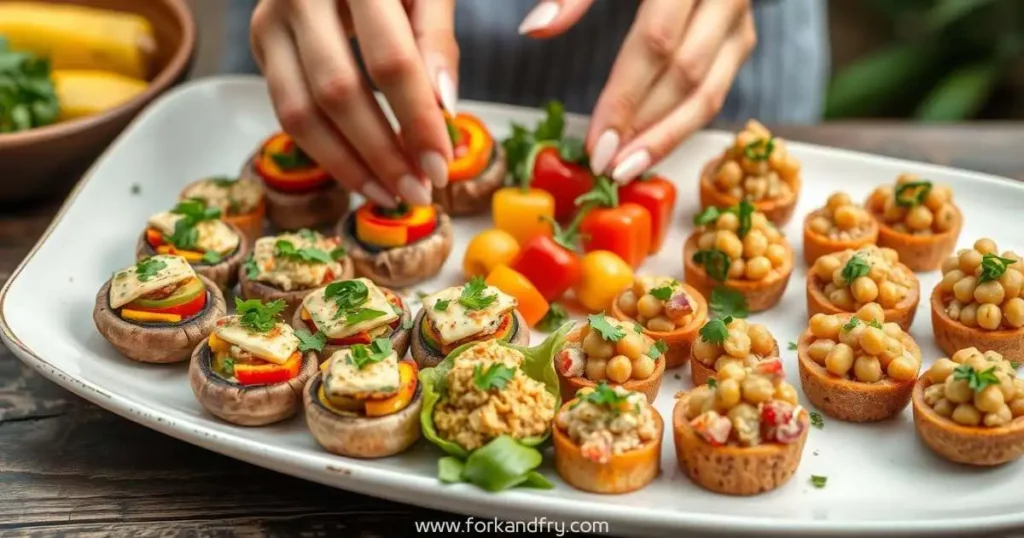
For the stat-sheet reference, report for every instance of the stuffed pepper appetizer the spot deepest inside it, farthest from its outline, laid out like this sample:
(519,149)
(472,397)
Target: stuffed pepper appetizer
(241,202)
(845,281)
(351,312)
(251,370)
(463,314)
(195,232)
(858,367)
(980,302)
(608,350)
(666,310)
(397,247)
(608,440)
(743,433)
(968,409)
(291,265)
(740,249)
(730,343)
(477,171)
(299,193)
(840,225)
(916,219)
(157,310)
(366,402)
(758,168)
(488,405)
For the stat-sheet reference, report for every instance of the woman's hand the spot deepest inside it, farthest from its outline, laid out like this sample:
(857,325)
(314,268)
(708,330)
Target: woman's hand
(323,101)
(670,78)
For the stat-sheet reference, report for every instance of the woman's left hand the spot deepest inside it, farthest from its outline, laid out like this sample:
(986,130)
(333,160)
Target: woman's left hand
(671,77)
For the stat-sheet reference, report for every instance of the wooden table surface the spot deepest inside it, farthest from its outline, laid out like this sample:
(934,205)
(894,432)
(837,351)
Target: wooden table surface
(68,467)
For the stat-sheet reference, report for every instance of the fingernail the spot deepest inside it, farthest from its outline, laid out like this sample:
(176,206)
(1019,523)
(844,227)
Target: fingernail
(446,87)
(632,166)
(605,148)
(413,190)
(435,167)
(539,17)
(379,195)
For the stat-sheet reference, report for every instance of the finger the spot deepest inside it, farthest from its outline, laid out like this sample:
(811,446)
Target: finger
(342,94)
(649,46)
(434,30)
(652,145)
(301,119)
(711,26)
(393,61)
(553,17)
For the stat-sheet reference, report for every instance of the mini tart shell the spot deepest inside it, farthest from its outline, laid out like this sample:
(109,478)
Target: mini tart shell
(778,211)
(358,436)
(903,313)
(404,266)
(679,341)
(846,399)
(224,274)
(296,210)
(700,373)
(623,473)
(246,405)
(961,444)
(649,387)
(760,295)
(158,343)
(921,252)
(734,470)
(250,224)
(817,245)
(473,196)
(254,289)
(399,337)
(952,336)
(427,357)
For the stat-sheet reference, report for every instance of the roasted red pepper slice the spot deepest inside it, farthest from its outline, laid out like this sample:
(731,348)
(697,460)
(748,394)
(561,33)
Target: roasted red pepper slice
(621,228)
(283,166)
(394,228)
(566,181)
(473,146)
(265,373)
(551,264)
(658,196)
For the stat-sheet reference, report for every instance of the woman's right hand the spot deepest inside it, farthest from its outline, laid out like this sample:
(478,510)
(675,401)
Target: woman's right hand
(325,104)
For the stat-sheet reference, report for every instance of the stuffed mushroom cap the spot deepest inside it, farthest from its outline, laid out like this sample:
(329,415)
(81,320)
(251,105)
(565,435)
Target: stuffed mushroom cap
(224,273)
(400,336)
(400,266)
(296,210)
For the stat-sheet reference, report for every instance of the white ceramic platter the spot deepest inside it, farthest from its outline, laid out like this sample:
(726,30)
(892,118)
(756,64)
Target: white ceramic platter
(881,479)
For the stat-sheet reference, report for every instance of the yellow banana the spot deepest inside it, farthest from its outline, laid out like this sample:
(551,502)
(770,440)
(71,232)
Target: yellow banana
(75,37)
(83,93)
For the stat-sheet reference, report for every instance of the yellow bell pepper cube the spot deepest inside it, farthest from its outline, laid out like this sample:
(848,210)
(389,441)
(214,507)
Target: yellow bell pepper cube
(523,213)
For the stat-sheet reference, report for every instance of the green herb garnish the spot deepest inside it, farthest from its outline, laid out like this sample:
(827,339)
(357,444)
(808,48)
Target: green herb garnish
(851,325)
(976,380)
(745,211)
(727,303)
(876,324)
(211,257)
(712,383)
(223,181)
(604,395)
(362,314)
(855,268)
(707,216)
(658,349)
(256,316)
(362,355)
(816,420)
(663,293)
(759,150)
(993,267)
(715,331)
(716,263)
(338,253)
(311,342)
(473,297)
(27,95)
(148,268)
(608,331)
(554,319)
(348,295)
(252,270)
(196,210)
(286,249)
(441,305)
(793,346)
(227,367)
(818,481)
(912,193)
(496,376)
(293,159)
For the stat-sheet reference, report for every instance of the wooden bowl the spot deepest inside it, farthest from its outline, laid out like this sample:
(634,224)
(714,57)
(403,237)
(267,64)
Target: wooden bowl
(952,336)
(902,313)
(48,160)
(921,252)
(760,295)
(778,211)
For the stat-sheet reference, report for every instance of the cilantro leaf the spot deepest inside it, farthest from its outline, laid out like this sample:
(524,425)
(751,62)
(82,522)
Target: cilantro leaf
(793,346)
(759,150)
(363,355)
(993,267)
(715,331)
(348,295)
(876,324)
(609,332)
(912,193)
(818,481)
(252,270)
(211,257)
(496,376)
(816,420)
(605,396)
(716,263)
(745,211)
(258,317)
(855,268)
(362,314)
(148,268)
(976,380)
(196,210)
(286,249)
(663,293)
(708,216)
(658,349)
(441,305)
(728,303)
(473,297)
(851,325)
(311,342)
(185,236)
(554,319)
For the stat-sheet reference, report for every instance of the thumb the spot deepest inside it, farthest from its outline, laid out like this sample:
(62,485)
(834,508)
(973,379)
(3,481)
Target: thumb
(550,18)
(434,28)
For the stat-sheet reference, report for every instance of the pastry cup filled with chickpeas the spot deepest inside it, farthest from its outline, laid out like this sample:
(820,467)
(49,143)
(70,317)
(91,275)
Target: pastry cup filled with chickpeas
(858,367)
(756,167)
(666,310)
(980,301)
(739,249)
(744,433)
(608,350)
(968,409)
(917,219)
(843,282)
(730,341)
(840,225)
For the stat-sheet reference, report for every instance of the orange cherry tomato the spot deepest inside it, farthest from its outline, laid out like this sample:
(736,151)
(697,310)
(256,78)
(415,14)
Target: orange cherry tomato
(487,250)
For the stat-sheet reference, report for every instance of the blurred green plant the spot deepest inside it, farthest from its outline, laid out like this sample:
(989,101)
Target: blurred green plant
(948,57)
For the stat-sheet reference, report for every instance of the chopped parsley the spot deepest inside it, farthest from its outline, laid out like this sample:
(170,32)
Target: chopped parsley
(252,270)
(976,380)
(716,263)
(759,150)
(496,376)
(311,342)
(715,331)
(745,211)
(816,420)
(1014,365)
(712,383)
(876,324)
(662,293)
(258,317)
(851,325)
(212,258)
(993,267)
(708,216)
(441,305)
(818,481)
(554,319)
(658,349)
(604,395)
(361,355)
(793,346)
(855,268)
(638,329)
(196,210)
(348,297)
(148,268)
(192,212)
(286,249)
(608,331)
(912,193)
(727,303)
(227,367)
(473,297)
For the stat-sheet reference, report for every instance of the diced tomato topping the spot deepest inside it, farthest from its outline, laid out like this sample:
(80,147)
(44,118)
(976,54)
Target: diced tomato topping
(712,427)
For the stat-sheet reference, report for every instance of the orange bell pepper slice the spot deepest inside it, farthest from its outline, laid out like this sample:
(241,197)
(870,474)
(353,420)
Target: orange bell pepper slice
(265,373)
(407,389)
(473,145)
(523,213)
(532,304)
(384,228)
(303,176)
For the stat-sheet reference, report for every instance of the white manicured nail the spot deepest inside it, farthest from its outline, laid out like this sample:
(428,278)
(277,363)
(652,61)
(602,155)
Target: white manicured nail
(413,190)
(605,148)
(378,195)
(632,166)
(435,167)
(539,17)
(446,88)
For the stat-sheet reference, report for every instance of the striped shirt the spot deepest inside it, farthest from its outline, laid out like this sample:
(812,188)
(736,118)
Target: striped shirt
(784,80)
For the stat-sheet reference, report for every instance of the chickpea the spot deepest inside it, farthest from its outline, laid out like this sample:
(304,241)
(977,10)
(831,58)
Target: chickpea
(729,174)
(761,341)
(729,243)
(951,263)
(847,217)
(707,240)
(627,303)
(889,254)
(705,352)
(892,329)
(820,225)
(737,344)
(958,391)
(966,415)
(953,309)
(619,369)
(700,397)
(757,389)
(660,324)
(944,408)
(1013,312)
(989,400)
(964,289)
(777,255)
(1012,282)
(755,244)
(969,261)
(837,200)
(851,337)
(758,268)
(737,269)
(839,360)
(597,347)
(819,349)
(632,345)
(786,393)
(867,369)
(990,292)
(969,315)
(942,369)
(826,266)
(643,367)
(919,218)
(872,341)
(945,217)
(893,212)
(772,233)
(990,317)
(936,198)
(758,220)
(842,299)
(732,370)
(999,418)
(978,362)
(986,246)
(595,369)
(728,221)
(727,394)
(933,394)
(825,326)
(871,312)
(725,360)
(902,369)
(889,294)
(864,290)
(950,279)
(1017,407)
(649,306)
